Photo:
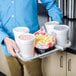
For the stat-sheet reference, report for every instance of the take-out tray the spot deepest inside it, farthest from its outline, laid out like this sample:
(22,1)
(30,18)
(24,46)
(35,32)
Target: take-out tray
(57,48)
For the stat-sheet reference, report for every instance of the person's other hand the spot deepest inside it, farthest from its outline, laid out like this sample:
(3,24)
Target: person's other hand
(11,46)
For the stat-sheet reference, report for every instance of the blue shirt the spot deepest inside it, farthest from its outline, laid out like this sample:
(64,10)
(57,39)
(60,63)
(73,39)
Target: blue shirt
(14,13)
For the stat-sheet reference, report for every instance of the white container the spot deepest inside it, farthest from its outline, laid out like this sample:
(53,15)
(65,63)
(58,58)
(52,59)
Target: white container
(19,30)
(50,26)
(26,46)
(61,34)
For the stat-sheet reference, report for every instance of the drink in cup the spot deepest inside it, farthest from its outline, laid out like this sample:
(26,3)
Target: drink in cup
(26,45)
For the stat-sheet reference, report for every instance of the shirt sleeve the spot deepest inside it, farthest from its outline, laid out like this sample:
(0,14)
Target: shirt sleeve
(53,10)
(2,34)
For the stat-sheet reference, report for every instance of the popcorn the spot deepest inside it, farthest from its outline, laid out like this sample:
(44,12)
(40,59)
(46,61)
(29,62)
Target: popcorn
(44,39)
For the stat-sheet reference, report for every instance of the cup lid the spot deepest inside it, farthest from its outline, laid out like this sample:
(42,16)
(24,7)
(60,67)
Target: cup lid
(52,23)
(61,28)
(21,29)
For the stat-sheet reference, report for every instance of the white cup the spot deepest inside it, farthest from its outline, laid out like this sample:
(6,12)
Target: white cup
(19,30)
(26,46)
(50,26)
(61,34)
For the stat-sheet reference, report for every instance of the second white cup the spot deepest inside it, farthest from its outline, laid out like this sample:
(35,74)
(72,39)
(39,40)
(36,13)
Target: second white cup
(61,34)
(19,30)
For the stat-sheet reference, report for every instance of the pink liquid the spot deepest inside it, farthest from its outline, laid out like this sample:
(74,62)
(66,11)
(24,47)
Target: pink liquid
(26,37)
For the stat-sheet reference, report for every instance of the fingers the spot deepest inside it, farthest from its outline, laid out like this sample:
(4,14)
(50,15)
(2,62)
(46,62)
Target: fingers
(11,46)
(15,47)
(11,50)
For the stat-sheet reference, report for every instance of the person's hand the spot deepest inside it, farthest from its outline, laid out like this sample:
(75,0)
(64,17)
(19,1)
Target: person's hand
(11,46)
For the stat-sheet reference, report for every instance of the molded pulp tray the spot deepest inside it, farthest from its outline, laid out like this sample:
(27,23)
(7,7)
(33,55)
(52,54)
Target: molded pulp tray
(57,48)
(37,55)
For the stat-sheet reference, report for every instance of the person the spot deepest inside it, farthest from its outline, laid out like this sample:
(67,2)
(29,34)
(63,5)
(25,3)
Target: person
(22,13)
